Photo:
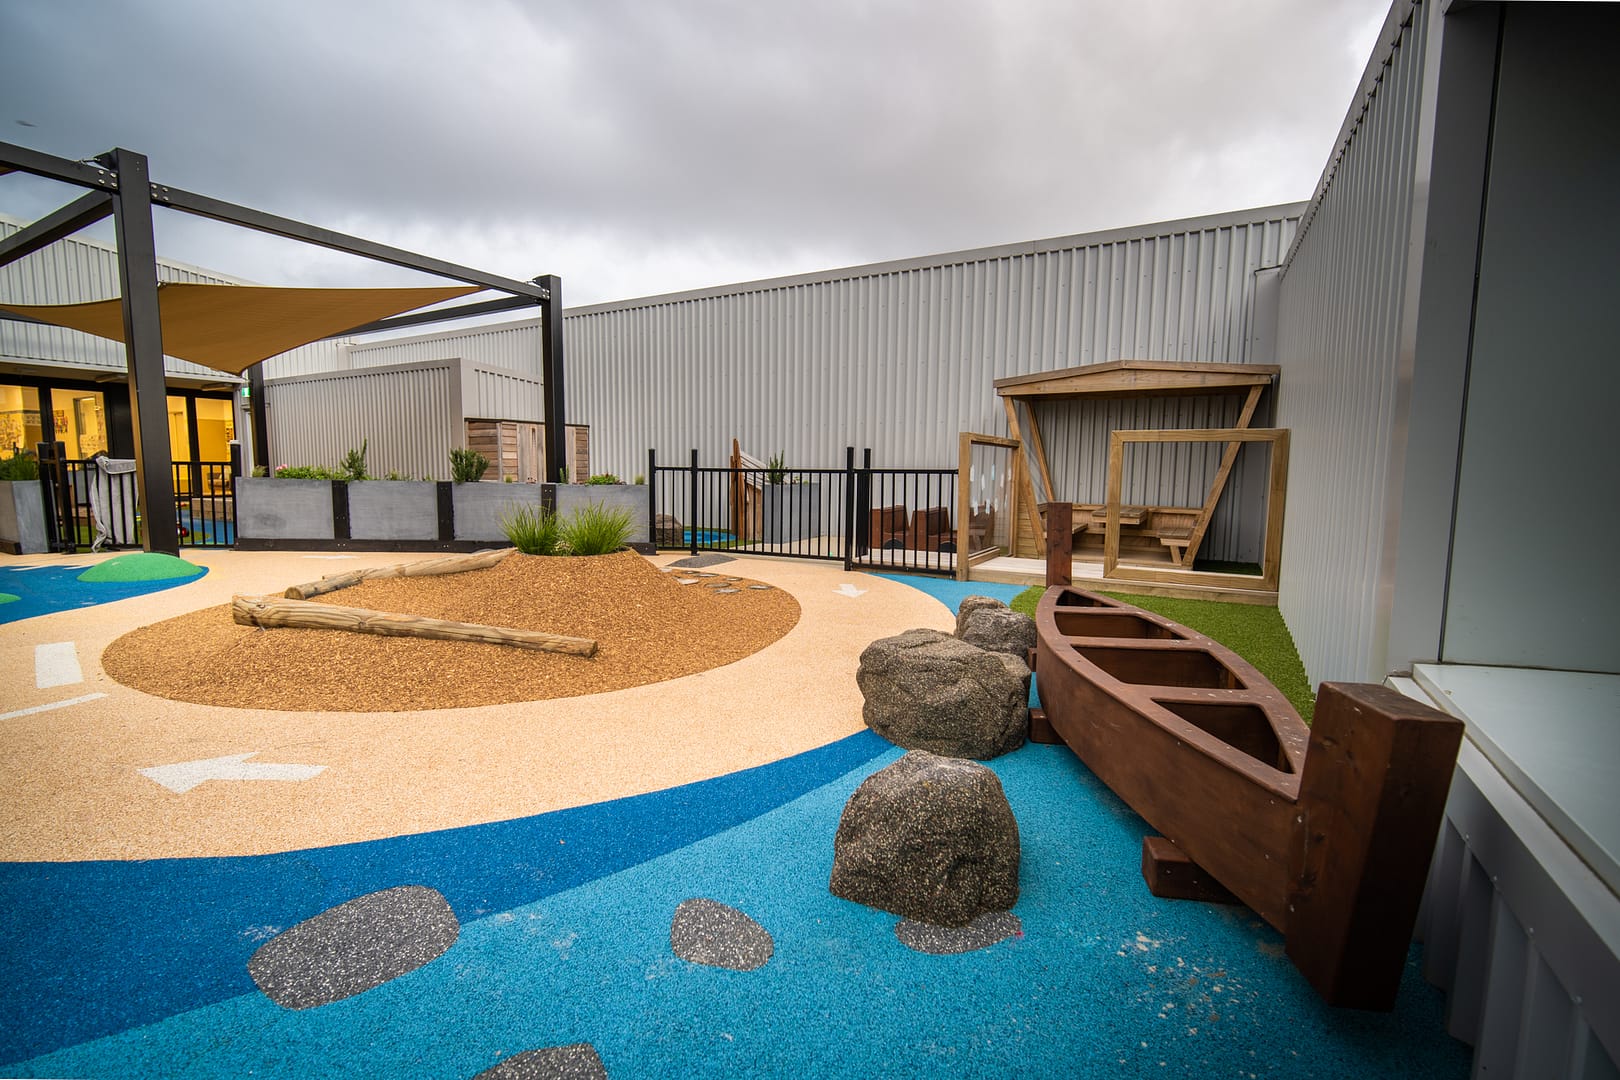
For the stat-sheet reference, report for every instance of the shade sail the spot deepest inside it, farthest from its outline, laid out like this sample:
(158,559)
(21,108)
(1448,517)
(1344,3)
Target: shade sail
(232,327)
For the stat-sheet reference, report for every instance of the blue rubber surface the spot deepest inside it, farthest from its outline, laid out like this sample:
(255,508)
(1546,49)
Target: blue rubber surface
(121,969)
(43,590)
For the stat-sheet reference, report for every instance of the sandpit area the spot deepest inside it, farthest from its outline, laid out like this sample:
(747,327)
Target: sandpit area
(648,625)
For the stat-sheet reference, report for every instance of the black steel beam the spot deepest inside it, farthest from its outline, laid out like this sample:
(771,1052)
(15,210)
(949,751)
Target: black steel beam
(22,159)
(76,215)
(551,372)
(467,311)
(260,419)
(143,345)
(219,210)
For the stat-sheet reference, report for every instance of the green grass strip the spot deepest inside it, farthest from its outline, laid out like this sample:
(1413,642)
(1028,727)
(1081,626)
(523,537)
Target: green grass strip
(1253,631)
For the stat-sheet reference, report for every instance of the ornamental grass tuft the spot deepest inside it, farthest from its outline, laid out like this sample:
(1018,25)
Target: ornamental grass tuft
(533,530)
(596,529)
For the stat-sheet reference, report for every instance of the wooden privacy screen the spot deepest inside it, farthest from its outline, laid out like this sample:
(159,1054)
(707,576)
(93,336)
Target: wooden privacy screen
(1277,487)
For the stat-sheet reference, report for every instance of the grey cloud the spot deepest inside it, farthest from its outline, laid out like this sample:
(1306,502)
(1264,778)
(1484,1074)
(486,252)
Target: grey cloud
(744,133)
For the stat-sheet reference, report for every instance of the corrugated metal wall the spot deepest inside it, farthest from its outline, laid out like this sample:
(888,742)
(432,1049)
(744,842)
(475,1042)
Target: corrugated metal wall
(1338,337)
(901,357)
(496,394)
(76,271)
(408,417)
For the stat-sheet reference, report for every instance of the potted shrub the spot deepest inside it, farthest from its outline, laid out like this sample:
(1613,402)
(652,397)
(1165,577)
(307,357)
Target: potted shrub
(22,505)
(608,491)
(481,506)
(790,506)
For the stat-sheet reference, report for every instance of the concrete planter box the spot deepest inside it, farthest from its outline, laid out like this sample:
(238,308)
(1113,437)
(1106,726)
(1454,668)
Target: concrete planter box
(631,497)
(790,512)
(479,508)
(22,517)
(393,510)
(269,509)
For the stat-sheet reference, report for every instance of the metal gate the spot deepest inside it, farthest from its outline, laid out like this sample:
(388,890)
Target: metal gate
(864,517)
(204,506)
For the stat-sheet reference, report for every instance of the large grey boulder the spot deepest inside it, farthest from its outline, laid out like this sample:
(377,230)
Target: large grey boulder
(994,626)
(930,838)
(925,690)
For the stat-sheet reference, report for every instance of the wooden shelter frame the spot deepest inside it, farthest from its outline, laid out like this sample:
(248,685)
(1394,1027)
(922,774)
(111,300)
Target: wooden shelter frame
(1138,379)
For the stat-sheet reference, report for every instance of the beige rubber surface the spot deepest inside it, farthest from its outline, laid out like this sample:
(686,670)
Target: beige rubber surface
(72,781)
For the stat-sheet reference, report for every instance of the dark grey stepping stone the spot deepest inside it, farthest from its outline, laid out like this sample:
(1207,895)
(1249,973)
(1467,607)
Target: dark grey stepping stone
(727,590)
(712,558)
(350,948)
(576,1061)
(984,931)
(686,581)
(760,587)
(709,932)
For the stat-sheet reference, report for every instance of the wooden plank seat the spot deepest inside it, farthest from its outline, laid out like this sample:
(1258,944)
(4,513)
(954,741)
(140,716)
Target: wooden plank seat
(888,526)
(931,530)
(1174,527)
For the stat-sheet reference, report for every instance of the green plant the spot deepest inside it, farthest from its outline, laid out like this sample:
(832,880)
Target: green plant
(308,472)
(775,470)
(562,475)
(596,529)
(467,465)
(508,479)
(604,478)
(640,479)
(392,475)
(533,530)
(353,465)
(21,465)
(261,470)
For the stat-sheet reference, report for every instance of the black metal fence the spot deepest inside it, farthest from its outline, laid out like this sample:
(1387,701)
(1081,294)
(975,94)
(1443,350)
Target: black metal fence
(864,517)
(204,506)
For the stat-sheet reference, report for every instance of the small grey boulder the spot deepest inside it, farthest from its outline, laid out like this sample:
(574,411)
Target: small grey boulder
(930,838)
(996,628)
(926,690)
(970,604)
(668,532)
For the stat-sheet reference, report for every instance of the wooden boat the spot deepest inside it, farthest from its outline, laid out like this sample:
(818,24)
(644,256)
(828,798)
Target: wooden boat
(1324,831)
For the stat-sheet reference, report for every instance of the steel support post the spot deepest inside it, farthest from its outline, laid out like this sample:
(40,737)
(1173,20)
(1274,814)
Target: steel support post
(143,337)
(551,371)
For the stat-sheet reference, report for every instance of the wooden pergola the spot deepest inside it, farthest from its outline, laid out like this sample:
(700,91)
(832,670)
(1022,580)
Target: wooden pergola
(1140,379)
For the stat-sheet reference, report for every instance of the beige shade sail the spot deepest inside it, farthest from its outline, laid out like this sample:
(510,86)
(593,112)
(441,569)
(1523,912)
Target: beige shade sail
(232,327)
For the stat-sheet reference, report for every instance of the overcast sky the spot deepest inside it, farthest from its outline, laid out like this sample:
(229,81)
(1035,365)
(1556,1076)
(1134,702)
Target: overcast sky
(641,148)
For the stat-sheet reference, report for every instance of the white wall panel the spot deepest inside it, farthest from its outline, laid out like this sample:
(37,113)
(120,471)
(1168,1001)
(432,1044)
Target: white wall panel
(409,417)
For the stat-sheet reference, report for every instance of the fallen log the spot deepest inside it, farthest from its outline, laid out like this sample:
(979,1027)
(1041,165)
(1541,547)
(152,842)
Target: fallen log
(450,564)
(302,614)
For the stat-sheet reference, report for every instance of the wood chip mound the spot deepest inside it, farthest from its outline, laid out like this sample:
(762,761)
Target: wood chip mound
(648,627)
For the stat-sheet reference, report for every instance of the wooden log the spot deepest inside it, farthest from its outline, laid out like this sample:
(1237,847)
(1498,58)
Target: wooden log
(450,564)
(282,612)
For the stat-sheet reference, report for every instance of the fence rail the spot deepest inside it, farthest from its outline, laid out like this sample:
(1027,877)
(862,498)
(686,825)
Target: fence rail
(204,506)
(867,518)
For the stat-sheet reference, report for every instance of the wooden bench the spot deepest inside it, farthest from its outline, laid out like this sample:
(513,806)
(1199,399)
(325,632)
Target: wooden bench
(1174,527)
(931,530)
(888,526)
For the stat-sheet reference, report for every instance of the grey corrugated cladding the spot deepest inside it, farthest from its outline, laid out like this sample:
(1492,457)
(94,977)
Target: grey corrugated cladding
(1339,327)
(77,271)
(901,357)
